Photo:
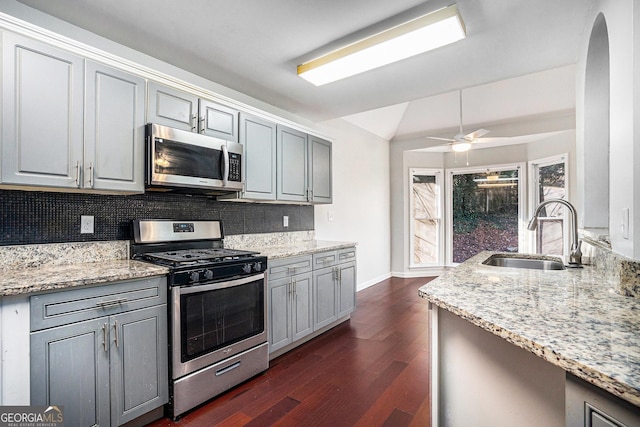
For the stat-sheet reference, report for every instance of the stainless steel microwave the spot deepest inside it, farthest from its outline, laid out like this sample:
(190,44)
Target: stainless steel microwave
(191,162)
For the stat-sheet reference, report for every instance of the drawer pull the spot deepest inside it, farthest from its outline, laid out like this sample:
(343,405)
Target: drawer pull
(227,369)
(105,304)
(347,255)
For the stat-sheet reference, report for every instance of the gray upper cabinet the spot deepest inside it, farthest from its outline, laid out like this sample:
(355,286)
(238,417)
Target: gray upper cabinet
(320,173)
(258,137)
(291,165)
(182,110)
(114,130)
(42,126)
(47,143)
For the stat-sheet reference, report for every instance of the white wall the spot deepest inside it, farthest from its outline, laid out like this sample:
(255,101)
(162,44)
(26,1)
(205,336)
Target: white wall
(360,208)
(623,25)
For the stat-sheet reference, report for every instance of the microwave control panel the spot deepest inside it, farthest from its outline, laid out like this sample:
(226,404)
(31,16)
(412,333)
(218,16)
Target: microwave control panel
(234,167)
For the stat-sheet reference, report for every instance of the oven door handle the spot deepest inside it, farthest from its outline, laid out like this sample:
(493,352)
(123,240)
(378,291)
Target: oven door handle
(220,285)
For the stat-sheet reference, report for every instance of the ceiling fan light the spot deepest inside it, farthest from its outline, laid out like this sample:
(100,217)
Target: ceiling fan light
(460,147)
(419,35)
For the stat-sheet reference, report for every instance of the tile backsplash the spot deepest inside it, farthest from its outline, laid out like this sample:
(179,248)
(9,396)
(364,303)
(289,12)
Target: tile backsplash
(33,217)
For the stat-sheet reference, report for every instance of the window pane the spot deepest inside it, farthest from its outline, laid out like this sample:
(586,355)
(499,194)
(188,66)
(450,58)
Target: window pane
(552,186)
(425,196)
(425,241)
(485,213)
(425,213)
(550,236)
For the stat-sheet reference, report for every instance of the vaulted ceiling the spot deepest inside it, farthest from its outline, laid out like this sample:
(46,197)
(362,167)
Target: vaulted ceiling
(516,57)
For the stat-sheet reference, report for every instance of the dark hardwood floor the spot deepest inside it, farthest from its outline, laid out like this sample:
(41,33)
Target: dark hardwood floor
(370,371)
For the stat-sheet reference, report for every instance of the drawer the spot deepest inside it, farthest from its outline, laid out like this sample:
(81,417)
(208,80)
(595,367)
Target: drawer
(286,267)
(70,306)
(346,255)
(325,259)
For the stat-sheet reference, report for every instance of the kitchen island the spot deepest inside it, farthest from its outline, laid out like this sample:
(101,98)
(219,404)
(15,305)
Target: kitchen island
(512,338)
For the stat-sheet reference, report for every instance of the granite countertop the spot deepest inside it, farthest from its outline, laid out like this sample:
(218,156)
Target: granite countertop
(32,279)
(571,318)
(298,248)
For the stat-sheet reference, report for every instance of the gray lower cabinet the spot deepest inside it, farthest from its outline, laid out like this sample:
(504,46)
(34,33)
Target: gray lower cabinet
(290,304)
(291,310)
(309,292)
(54,137)
(590,406)
(182,110)
(334,285)
(110,368)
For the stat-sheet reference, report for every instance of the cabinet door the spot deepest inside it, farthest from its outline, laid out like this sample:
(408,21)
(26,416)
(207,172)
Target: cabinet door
(114,130)
(70,367)
(347,288)
(139,366)
(302,309)
(42,109)
(279,313)
(292,165)
(324,297)
(259,140)
(320,172)
(218,120)
(172,107)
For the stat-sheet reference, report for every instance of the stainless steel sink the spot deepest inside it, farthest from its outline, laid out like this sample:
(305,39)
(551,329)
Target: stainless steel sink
(546,263)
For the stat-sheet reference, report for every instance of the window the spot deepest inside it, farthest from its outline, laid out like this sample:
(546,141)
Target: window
(549,181)
(485,211)
(427,247)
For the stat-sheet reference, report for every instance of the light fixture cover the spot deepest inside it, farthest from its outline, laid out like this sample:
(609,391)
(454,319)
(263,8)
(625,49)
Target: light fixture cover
(461,146)
(427,32)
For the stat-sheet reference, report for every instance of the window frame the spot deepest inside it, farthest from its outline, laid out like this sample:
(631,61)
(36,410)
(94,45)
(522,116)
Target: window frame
(533,166)
(441,244)
(522,198)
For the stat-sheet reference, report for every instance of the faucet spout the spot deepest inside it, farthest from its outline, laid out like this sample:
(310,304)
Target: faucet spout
(575,255)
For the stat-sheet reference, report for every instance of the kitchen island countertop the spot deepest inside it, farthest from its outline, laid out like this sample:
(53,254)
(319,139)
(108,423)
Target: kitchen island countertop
(571,318)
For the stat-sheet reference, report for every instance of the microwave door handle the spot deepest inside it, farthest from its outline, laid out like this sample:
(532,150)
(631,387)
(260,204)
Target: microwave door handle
(225,161)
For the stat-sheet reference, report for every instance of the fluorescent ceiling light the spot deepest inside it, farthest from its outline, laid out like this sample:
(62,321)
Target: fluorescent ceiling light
(427,32)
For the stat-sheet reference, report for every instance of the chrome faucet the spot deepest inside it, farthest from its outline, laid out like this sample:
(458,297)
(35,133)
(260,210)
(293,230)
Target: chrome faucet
(575,255)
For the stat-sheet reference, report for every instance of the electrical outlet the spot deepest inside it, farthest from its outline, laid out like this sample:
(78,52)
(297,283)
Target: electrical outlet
(331,216)
(86,224)
(285,221)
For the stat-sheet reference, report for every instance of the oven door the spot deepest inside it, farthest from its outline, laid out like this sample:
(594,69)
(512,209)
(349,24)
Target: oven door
(214,321)
(177,158)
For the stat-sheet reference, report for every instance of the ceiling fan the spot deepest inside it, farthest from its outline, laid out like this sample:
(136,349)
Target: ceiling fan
(462,142)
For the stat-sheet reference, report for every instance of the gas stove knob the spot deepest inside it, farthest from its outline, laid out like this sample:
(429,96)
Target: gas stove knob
(246,268)
(195,276)
(257,266)
(208,274)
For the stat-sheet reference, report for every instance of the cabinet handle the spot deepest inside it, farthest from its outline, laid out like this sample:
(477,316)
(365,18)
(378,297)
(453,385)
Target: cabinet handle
(77,173)
(90,174)
(295,288)
(106,304)
(194,122)
(115,330)
(291,270)
(201,124)
(104,336)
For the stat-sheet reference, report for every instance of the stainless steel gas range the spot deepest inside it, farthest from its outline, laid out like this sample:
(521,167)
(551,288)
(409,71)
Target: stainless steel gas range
(217,308)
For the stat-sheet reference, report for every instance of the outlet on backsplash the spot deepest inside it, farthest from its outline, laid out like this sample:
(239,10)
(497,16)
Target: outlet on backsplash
(86,224)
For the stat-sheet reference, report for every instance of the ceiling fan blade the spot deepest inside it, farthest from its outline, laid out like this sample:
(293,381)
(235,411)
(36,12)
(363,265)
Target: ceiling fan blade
(441,139)
(475,134)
